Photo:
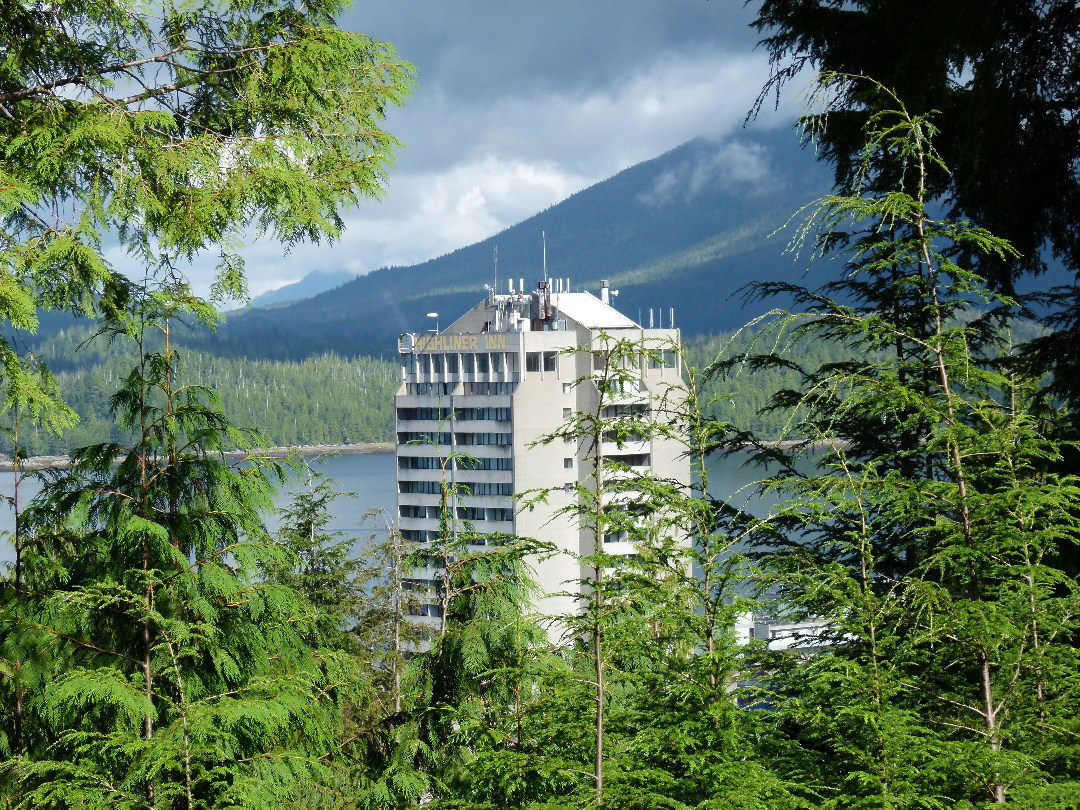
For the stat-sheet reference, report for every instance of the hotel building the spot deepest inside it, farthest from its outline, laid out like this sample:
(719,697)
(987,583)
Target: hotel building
(476,398)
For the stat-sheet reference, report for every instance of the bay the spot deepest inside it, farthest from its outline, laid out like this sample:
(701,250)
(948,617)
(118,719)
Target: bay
(370,479)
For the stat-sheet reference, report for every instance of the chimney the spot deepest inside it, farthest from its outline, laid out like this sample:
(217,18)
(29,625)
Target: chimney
(605,295)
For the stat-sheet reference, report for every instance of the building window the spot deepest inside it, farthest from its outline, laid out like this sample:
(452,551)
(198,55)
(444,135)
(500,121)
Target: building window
(451,364)
(568,463)
(485,463)
(488,487)
(419,463)
(483,363)
(423,413)
(566,412)
(422,437)
(497,362)
(484,438)
(567,388)
(419,487)
(532,361)
(551,361)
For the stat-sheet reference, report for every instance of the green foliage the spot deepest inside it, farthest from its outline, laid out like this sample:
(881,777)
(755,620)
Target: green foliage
(926,537)
(1001,81)
(322,400)
(145,662)
(169,133)
(178,676)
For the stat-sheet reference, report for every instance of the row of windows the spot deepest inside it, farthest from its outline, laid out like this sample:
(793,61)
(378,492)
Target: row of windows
(479,363)
(490,388)
(484,438)
(419,487)
(614,411)
(437,414)
(630,459)
(466,487)
(472,513)
(422,437)
(498,414)
(498,388)
(488,487)
(433,463)
(484,463)
(462,414)
(430,389)
(408,510)
(419,463)
(420,535)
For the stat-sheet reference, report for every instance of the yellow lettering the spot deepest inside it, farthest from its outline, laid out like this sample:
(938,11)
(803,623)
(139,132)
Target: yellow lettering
(459,343)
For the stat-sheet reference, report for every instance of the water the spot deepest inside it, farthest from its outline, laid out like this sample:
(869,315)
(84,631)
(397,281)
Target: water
(371,477)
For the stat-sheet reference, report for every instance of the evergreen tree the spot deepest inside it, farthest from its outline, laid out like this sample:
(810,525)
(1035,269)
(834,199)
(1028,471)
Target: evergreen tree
(928,536)
(179,678)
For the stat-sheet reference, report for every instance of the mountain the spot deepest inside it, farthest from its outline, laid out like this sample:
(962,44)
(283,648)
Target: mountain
(685,230)
(312,284)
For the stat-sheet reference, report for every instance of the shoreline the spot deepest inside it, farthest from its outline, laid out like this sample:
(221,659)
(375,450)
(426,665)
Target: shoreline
(64,462)
(35,463)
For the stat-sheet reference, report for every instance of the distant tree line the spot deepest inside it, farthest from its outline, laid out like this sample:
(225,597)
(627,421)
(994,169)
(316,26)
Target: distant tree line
(325,399)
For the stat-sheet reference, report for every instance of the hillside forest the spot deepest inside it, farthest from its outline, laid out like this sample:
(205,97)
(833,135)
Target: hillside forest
(327,399)
(160,648)
(320,400)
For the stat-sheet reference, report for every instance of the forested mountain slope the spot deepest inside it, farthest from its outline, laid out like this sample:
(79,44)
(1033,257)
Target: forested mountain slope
(322,399)
(684,230)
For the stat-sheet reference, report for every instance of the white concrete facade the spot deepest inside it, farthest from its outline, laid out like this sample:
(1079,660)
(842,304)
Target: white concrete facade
(507,373)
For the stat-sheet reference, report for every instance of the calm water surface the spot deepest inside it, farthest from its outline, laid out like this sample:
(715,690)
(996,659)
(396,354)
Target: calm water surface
(371,478)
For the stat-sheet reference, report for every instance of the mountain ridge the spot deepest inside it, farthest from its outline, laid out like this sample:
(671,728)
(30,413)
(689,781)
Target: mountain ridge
(699,215)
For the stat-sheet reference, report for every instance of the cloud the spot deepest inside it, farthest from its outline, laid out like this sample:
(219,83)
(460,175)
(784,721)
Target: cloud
(520,105)
(733,165)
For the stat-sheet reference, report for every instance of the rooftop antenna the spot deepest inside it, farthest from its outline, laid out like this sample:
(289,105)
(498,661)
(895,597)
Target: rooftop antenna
(543,239)
(495,271)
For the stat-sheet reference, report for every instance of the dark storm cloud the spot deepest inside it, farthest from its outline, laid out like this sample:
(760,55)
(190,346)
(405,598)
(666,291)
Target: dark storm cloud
(521,103)
(482,49)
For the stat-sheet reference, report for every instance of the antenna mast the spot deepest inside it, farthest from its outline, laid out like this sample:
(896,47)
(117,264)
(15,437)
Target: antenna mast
(495,272)
(543,239)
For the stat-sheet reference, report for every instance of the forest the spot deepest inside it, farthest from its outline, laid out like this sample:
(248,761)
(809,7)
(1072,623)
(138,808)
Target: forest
(327,399)
(321,400)
(159,648)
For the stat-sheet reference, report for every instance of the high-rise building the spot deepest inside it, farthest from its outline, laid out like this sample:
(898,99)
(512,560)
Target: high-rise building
(477,398)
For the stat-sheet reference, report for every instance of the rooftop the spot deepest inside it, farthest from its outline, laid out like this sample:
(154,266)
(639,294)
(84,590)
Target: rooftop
(590,311)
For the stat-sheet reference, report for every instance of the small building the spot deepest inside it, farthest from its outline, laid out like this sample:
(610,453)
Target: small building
(477,399)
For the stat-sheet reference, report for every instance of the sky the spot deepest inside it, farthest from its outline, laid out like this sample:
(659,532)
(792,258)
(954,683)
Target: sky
(520,103)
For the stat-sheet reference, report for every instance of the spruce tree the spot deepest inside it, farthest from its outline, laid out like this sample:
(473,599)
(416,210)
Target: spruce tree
(180,678)
(928,536)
